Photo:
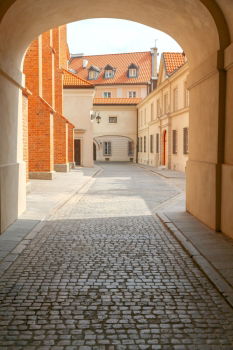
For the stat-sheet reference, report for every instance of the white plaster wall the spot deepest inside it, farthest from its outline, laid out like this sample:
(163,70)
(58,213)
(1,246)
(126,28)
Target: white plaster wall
(77,104)
(125,127)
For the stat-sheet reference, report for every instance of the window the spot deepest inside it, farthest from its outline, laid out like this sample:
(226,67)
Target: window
(132,71)
(92,75)
(144,143)
(130,148)
(174,141)
(108,74)
(140,144)
(112,119)
(107,148)
(132,94)
(157,143)
(165,103)
(186,95)
(158,108)
(151,143)
(186,140)
(152,111)
(107,94)
(175,99)
(145,116)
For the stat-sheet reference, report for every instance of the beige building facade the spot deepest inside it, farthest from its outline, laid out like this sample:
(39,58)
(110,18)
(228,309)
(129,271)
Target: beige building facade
(163,117)
(115,133)
(78,97)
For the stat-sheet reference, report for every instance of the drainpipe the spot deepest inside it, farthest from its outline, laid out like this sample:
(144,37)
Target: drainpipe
(137,139)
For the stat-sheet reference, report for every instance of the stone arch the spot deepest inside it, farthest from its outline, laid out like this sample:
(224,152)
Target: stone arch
(204,28)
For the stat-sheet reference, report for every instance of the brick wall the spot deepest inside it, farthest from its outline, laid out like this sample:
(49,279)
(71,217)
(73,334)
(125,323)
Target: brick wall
(47,133)
(25,131)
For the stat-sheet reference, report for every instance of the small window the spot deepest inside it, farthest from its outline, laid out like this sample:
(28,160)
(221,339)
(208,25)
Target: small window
(112,120)
(108,74)
(151,143)
(107,149)
(186,140)
(165,101)
(107,94)
(132,94)
(132,73)
(186,95)
(144,143)
(152,111)
(140,144)
(175,99)
(157,143)
(93,75)
(130,148)
(158,108)
(174,141)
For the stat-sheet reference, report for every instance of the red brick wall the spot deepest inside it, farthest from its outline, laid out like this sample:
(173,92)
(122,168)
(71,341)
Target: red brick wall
(47,142)
(70,143)
(60,140)
(39,136)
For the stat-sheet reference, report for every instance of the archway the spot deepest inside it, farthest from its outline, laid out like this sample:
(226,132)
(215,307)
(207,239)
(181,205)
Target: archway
(202,27)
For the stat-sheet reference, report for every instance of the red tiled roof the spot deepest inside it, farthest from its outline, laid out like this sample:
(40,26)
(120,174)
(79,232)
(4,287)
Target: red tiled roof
(116,101)
(120,62)
(173,61)
(72,80)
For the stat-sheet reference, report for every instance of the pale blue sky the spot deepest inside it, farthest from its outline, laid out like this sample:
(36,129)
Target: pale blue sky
(104,35)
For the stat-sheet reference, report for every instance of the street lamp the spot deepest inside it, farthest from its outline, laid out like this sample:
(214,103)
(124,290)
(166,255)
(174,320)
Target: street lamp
(94,116)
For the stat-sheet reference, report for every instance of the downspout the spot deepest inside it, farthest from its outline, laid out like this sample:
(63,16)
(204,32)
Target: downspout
(137,138)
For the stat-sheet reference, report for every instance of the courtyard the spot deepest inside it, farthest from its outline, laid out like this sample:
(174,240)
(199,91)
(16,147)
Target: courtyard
(103,272)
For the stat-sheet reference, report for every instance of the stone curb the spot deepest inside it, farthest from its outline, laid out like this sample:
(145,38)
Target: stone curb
(19,248)
(209,270)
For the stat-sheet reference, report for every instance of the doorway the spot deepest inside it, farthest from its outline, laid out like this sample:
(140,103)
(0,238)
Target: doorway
(94,151)
(77,152)
(164,147)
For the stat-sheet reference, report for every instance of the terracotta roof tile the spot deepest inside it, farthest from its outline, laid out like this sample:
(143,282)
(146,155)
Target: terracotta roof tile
(116,101)
(120,62)
(72,80)
(173,61)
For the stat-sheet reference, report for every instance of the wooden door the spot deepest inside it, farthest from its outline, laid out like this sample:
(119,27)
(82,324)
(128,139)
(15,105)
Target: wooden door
(94,151)
(77,152)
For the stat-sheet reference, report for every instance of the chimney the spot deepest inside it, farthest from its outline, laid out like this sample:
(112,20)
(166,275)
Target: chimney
(154,74)
(85,63)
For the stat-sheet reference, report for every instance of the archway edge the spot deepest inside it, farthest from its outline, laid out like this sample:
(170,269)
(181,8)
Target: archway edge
(198,25)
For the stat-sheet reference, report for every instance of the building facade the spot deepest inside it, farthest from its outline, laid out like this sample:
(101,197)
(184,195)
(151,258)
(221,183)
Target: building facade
(48,134)
(163,117)
(78,102)
(121,81)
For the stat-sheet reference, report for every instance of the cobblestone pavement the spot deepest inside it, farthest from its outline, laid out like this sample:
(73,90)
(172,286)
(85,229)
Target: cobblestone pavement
(104,274)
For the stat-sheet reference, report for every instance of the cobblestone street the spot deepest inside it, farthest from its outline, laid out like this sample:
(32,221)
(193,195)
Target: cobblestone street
(103,273)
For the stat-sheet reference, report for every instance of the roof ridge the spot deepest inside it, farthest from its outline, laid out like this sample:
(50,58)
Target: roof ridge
(108,54)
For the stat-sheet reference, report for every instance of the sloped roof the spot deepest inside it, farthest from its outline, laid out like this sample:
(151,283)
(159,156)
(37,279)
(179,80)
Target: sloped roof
(173,61)
(116,101)
(72,80)
(120,62)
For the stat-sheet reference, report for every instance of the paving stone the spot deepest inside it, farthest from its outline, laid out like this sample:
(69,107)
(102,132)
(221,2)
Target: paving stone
(103,273)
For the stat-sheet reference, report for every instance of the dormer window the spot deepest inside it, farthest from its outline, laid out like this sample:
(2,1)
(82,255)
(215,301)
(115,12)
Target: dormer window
(93,73)
(133,71)
(109,72)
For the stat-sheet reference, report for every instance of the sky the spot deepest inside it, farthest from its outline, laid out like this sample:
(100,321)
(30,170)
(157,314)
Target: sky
(106,35)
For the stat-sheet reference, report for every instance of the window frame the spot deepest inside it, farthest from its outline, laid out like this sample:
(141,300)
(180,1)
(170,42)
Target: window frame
(112,117)
(174,142)
(107,149)
(107,92)
(151,143)
(132,92)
